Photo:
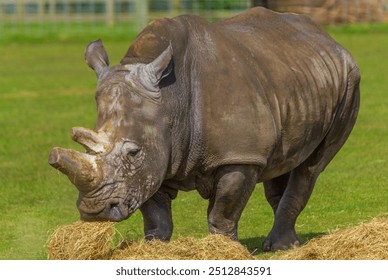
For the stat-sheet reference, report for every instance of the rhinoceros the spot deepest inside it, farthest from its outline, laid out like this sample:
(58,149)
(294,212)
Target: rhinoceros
(217,108)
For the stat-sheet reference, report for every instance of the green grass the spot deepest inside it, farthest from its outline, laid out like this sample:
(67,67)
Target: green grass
(46,88)
(64,32)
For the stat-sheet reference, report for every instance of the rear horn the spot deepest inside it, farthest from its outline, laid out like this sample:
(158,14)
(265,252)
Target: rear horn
(93,142)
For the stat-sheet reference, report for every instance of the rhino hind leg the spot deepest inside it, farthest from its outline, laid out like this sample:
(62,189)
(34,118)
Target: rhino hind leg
(296,194)
(233,187)
(274,190)
(302,179)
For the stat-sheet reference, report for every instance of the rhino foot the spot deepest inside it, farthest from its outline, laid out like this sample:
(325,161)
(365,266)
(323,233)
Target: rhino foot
(276,242)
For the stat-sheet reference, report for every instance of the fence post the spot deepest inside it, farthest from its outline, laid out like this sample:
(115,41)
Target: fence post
(141,13)
(175,7)
(51,10)
(40,9)
(19,10)
(110,12)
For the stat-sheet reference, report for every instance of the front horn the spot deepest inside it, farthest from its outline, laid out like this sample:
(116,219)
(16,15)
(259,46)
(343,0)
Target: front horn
(81,169)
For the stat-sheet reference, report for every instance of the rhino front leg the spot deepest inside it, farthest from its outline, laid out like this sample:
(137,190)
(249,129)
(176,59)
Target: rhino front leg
(233,187)
(157,215)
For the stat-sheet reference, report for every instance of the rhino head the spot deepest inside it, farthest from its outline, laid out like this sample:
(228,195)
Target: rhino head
(127,153)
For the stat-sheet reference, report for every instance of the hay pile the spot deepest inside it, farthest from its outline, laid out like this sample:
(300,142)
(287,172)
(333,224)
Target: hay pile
(81,241)
(337,11)
(367,241)
(98,240)
(95,240)
(212,247)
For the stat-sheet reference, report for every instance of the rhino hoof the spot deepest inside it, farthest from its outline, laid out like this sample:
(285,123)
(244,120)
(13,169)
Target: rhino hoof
(279,245)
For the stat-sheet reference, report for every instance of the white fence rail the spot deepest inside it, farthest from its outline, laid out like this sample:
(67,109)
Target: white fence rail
(31,11)
(17,14)
(110,11)
(37,17)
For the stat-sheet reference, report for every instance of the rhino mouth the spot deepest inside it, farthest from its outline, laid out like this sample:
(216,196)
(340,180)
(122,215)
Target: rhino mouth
(114,210)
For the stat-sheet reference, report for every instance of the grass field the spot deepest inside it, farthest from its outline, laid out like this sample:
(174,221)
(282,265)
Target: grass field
(46,88)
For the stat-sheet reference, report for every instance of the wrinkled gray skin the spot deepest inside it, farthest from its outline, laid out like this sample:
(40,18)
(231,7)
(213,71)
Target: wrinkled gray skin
(217,108)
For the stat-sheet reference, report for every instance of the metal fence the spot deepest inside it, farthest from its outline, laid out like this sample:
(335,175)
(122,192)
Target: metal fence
(37,17)
(112,11)
(20,14)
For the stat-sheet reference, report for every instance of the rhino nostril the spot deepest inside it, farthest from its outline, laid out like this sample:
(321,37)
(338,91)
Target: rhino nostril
(114,205)
(114,212)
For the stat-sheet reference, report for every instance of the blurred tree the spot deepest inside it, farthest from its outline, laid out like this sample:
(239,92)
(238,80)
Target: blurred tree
(214,4)
(263,3)
(160,5)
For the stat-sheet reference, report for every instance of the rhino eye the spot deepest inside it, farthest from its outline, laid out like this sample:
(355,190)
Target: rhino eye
(131,149)
(133,152)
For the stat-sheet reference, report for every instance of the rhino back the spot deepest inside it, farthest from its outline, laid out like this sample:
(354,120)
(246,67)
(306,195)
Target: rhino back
(260,88)
(295,74)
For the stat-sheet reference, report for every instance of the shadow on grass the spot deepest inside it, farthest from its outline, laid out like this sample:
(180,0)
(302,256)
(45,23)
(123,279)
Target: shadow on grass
(254,243)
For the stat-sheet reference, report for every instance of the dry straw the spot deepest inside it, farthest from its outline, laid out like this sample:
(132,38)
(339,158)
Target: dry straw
(367,241)
(81,241)
(212,247)
(94,240)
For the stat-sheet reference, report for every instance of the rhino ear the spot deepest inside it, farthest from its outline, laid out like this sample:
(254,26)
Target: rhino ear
(158,69)
(96,57)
